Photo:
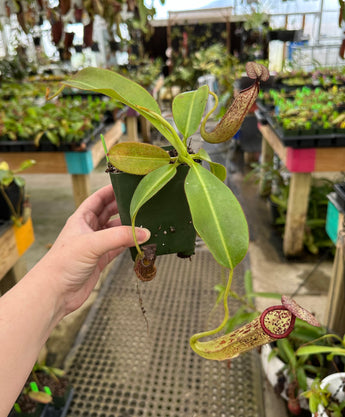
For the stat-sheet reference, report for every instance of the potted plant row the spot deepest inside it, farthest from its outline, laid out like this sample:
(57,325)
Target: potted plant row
(68,124)
(212,208)
(305,117)
(47,393)
(319,77)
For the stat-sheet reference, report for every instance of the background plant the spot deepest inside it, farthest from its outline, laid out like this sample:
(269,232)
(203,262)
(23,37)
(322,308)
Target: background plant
(321,396)
(275,180)
(293,375)
(7,177)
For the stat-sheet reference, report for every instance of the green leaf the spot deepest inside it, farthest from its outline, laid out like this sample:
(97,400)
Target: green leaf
(301,378)
(149,186)
(240,318)
(19,181)
(6,177)
(26,164)
(113,85)
(53,137)
(313,404)
(311,350)
(138,158)
(188,109)
(248,282)
(286,350)
(217,216)
(217,169)
(263,294)
(127,92)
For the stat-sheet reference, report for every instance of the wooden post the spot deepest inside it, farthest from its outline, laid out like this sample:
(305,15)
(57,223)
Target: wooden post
(14,275)
(335,308)
(9,253)
(303,22)
(228,35)
(81,187)
(296,213)
(132,128)
(145,129)
(267,154)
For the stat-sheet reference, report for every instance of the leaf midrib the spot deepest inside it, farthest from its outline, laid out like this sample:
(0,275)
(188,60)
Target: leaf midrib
(219,229)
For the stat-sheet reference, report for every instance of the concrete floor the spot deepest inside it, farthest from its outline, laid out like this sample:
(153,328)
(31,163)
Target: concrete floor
(52,203)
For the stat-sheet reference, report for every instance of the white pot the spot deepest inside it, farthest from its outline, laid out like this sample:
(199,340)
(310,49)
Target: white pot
(272,368)
(332,383)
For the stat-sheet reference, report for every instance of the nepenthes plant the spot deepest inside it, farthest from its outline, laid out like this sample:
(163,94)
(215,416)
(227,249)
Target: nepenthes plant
(216,214)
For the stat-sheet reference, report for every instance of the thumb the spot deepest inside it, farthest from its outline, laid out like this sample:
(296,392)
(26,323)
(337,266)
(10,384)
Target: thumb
(114,238)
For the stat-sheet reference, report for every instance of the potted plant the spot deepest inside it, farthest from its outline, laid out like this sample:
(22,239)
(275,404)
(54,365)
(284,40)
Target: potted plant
(327,396)
(275,184)
(46,392)
(57,382)
(12,192)
(215,212)
(31,401)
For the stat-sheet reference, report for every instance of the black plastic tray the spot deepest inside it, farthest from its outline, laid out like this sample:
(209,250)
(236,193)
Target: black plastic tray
(315,140)
(340,192)
(264,108)
(29,146)
(49,410)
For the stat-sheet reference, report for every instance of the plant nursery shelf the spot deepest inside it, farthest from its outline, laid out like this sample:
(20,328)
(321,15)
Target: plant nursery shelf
(306,139)
(14,242)
(77,163)
(301,162)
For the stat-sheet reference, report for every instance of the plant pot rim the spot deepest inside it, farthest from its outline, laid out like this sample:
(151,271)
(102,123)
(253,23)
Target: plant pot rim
(332,377)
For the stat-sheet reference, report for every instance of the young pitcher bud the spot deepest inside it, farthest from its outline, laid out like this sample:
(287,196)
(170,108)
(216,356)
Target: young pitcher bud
(243,102)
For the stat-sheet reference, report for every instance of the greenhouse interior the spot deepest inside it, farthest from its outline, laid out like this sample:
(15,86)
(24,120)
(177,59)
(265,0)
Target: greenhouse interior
(96,263)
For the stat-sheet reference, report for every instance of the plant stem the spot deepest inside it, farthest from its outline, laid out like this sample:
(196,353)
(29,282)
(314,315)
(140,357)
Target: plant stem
(140,252)
(203,124)
(178,145)
(198,336)
(105,148)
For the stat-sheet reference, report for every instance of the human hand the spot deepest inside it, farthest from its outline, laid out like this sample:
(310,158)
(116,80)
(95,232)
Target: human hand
(87,243)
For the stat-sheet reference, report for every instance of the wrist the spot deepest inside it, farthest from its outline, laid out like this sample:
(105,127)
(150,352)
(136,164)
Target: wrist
(43,289)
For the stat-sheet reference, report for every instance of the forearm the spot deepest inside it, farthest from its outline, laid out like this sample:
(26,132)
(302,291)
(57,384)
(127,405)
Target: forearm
(59,284)
(28,313)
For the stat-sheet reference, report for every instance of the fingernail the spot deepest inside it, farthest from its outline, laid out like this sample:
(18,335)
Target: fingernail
(142,234)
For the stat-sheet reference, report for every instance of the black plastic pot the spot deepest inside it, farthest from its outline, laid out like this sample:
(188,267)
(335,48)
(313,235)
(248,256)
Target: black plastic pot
(60,405)
(284,35)
(340,192)
(16,195)
(166,215)
(37,40)
(39,412)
